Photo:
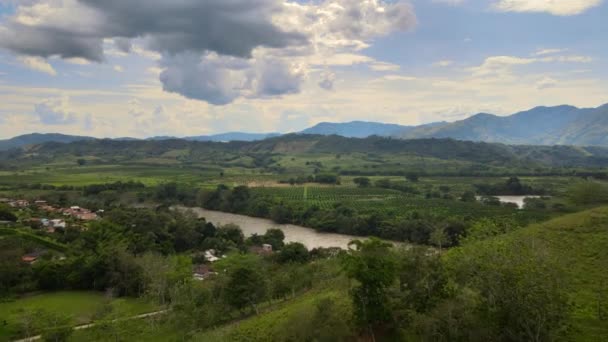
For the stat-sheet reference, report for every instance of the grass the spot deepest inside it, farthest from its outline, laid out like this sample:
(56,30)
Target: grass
(272,325)
(579,241)
(80,306)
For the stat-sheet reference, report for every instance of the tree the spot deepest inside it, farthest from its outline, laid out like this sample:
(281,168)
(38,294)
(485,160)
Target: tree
(246,287)
(293,252)
(412,177)
(231,232)
(362,182)
(6,214)
(81,162)
(275,237)
(372,265)
(439,238)
(468,196)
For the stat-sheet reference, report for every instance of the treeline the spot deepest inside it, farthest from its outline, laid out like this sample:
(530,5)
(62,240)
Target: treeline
(512,187)
(416,227)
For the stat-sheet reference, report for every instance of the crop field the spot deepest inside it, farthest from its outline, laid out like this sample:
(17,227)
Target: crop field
(391,202)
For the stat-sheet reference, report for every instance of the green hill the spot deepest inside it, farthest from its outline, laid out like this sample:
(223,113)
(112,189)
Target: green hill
(579,243)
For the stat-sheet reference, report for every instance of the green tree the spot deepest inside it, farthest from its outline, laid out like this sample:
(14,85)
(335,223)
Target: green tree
(372,265)
(245,288)
(275,237)
(293,252)
(362,182)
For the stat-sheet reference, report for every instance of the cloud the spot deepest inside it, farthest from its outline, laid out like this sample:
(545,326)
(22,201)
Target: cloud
(260,48)
(555,7)
(118,68)
(443,63)
(38,64)
(220,80)
(546,82)
(327,80)
(55,112)
(543,52)
(450,2)
(123,44)
(77,28)
(383,66)
(502,65)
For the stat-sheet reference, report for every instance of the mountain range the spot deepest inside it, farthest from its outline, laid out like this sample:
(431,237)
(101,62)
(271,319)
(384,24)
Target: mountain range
(560,125)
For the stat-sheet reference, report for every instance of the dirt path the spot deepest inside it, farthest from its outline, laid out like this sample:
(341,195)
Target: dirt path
(91,325)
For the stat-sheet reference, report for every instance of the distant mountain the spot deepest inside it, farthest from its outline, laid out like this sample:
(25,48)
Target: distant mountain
(358,129)
(564,125)
(233,136)
(38,138)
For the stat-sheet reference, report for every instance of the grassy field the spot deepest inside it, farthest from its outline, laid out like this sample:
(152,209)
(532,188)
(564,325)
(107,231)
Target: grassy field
(579,242)
(80,306)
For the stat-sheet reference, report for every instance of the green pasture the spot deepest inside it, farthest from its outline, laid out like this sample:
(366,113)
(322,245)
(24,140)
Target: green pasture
(80,306)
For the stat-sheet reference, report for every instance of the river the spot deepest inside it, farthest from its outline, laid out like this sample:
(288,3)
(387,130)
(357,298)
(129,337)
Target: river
(253,225)
(519,200)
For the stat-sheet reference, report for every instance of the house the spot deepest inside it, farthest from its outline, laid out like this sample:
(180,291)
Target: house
(263,250)
(58,223)
(80,213)
(202,272)
(31,258)
(5,200)
(40,203)
(19,204)
(210,255)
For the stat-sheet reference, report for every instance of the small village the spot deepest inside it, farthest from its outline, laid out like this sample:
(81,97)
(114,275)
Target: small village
(43,217)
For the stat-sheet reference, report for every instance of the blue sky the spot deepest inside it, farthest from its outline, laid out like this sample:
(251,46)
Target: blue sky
(115,68)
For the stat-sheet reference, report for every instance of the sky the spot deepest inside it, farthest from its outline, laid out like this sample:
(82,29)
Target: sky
(141,68)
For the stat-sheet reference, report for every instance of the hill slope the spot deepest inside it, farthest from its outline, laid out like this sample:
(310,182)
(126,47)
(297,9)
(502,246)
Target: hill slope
(385,149)
(38,138)
(579,242)
(564,125)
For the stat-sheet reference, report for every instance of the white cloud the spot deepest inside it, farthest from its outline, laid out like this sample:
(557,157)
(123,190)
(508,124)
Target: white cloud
(118,68)
(383,66)
(38,64)
(543,52)
(502,65)
(55,111)
(555,7)
(443,63)
(546,82)
(450,2)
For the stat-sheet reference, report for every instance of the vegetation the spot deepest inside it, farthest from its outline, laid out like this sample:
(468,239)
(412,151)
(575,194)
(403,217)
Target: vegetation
(475,268)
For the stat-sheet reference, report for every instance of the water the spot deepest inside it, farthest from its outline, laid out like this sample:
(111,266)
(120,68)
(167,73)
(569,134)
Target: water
(519,200)
(252,225)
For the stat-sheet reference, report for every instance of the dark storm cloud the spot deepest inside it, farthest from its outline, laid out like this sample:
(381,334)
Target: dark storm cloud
(228,27)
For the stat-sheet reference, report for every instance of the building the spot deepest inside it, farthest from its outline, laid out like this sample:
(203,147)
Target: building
(40,203)
(58,223)
(80,213)
(202,272)
(31,258)
(263,250)
(19,204)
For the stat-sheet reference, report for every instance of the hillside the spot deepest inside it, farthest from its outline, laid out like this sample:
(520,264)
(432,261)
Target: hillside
(563,125)
(257,153)
(356,129)
(38,138)
(578,241)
